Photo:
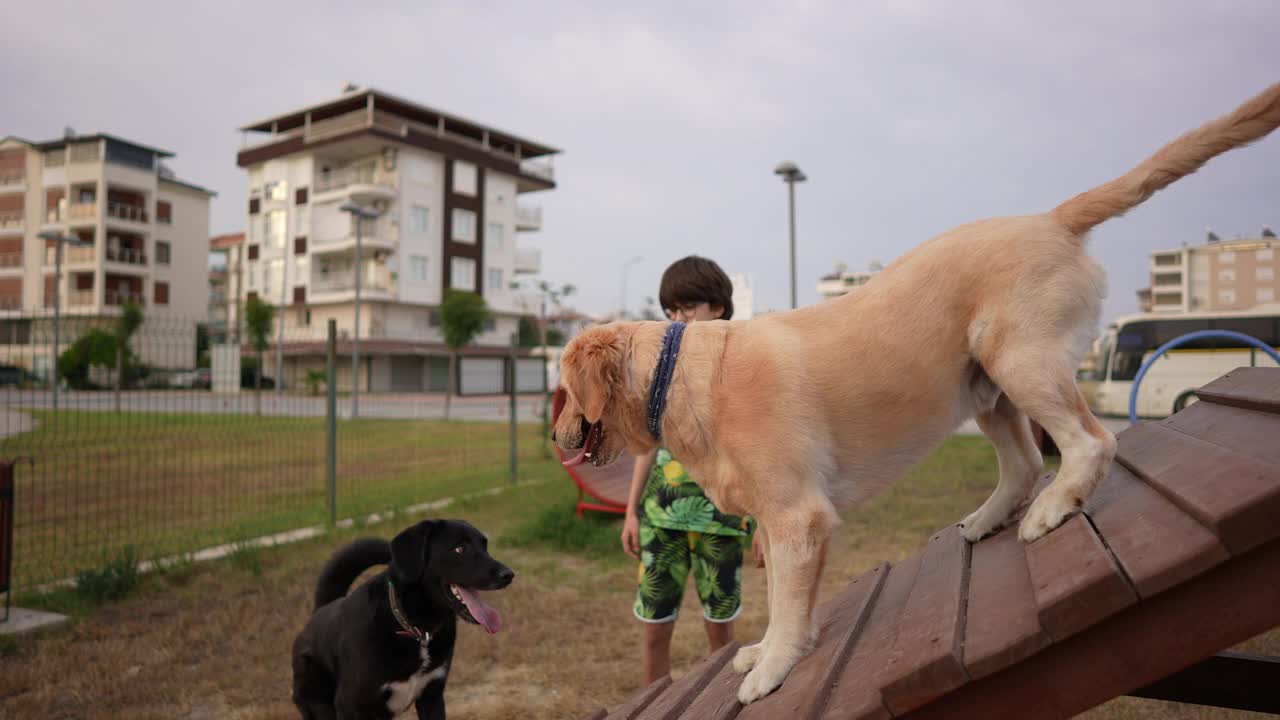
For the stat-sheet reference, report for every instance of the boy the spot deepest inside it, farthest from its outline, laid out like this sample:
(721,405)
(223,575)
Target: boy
(671,526)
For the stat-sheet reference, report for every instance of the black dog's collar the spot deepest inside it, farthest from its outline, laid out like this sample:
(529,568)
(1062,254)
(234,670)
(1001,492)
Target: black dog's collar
(408,629)
(662,377)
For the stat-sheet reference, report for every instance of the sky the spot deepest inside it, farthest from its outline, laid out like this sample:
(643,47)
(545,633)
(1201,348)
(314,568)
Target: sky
(908,118)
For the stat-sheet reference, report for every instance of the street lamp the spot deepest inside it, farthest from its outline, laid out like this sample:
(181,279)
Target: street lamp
(622,310)
(791,175)
(359,214)
(58,240)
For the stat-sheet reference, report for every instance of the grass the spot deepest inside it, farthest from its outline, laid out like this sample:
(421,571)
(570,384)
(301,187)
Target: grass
(213,640)
(168,483)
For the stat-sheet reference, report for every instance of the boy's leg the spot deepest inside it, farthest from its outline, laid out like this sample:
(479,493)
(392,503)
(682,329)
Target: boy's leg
(664,567)
(717,573)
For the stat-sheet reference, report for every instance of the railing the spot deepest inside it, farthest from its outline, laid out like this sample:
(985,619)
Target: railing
(13,177)
(336,179)
(528,260)
(123,211)
(538,168)
(341,232)
(53,215)
(69,255)
(12,219)
(11,259)
(377,278)
(10,303)
(528,216)
(126,255)
(82,211)
(120,297)
(80,298)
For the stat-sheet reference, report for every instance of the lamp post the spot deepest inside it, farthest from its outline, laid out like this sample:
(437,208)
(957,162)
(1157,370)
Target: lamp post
(58,239)
(622,309)
(791,175)
(359,214)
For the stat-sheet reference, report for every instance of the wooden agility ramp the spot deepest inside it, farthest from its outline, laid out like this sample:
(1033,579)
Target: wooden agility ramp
(1175,558)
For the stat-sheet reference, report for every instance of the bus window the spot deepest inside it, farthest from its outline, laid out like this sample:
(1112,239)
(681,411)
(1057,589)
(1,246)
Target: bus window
(1132,342)
(1166,330)
(1262,328)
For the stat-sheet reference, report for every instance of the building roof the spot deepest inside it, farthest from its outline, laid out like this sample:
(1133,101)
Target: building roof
(354,99)
(228,240)
(187,185)
(64,141)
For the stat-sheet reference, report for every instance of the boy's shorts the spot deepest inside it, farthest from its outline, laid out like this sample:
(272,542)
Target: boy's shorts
(666,556)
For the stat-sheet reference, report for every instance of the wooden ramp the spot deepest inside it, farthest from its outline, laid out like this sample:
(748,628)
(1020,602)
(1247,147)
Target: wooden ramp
(1175,558)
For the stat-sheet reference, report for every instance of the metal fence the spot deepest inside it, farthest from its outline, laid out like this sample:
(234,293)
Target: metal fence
(165,466)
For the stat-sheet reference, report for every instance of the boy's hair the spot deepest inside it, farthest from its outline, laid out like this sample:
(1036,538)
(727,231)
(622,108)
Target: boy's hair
(696,279)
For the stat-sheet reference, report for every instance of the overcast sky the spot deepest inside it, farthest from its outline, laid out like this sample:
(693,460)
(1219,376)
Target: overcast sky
(908,117)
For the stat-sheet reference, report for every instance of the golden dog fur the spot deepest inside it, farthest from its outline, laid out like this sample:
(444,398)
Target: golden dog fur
(789,416)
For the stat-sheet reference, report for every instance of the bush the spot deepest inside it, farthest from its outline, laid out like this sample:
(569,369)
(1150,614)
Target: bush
(114,580)
(594,535)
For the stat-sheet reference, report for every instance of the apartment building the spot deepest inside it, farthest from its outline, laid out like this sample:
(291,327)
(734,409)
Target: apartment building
(450,197)
(141,235)
(1218,276)
(844,281)
(226,256)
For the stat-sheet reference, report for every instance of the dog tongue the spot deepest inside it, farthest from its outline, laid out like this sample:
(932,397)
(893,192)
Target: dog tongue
(482,612)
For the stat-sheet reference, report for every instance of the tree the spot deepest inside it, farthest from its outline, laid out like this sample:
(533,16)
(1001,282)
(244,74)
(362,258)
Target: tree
(126,325)
(258,320)
(202,345)
(95,347)
(462,317)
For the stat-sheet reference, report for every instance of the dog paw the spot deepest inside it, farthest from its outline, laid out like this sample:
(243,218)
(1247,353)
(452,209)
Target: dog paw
(747,657)
(980,525)
(1048,512)
(761,681)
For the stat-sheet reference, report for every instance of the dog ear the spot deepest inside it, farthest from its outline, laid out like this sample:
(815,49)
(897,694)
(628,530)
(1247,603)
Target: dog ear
(595,363)
(409,552)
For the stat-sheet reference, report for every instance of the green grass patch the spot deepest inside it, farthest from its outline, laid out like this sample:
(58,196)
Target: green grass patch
(594,536)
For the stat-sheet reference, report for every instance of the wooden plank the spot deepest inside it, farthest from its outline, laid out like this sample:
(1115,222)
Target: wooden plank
(840,621)
(1247,432)
(927,657)
(1226,680)
(1156,544)
(1075,579)
(856,693)
(1236,497)
(719,699)
(1002,624)
(638,702)
(1235,601)
(677,697)
(1251,388)
(600,714)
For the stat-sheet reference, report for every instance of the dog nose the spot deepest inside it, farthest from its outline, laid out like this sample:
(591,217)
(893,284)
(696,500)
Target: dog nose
(505,576)
(553,435)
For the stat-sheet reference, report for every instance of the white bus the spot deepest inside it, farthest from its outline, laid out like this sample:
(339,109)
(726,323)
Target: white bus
(1106,378)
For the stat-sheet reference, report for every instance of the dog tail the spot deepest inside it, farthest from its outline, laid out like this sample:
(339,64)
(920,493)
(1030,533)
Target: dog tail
(347,564)
(1250,122)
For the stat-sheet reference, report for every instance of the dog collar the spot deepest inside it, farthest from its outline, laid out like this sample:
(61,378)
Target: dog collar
(662,377)
(408,629)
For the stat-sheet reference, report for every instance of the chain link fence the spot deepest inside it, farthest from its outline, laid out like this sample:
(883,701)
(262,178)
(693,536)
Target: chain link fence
(135,451)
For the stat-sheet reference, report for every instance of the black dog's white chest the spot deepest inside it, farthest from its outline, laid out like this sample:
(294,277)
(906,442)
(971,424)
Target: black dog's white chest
(401,694)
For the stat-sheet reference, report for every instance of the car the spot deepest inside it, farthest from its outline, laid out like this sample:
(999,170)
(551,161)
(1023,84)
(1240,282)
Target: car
(203,379)
(14,376)
(247,380)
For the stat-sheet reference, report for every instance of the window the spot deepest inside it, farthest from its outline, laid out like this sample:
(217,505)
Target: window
(1227,276)
(418,219)
(1227,296)
(417,268)
(272,276)
(254,206)
(1226,257)
(251,276)
(300,196)
(490,325)
(464,178)
(275,228)
(1265,274)
(464,226)
(1265,254)
(1266,295)
(495,278)
(162,252)
(161,291)
(463,272)
(433,318)
(164,212)
(299,295)
(275,190)
(300,245)
(493,236)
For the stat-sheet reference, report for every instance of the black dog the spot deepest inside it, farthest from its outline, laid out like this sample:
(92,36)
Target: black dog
(389,643)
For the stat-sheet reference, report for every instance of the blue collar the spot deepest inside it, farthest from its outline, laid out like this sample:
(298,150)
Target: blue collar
(662,377)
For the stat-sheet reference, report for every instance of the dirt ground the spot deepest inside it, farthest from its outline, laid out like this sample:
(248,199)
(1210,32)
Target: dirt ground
(212,641)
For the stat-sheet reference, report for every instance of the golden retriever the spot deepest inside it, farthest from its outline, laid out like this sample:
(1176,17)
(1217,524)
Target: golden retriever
(788,416)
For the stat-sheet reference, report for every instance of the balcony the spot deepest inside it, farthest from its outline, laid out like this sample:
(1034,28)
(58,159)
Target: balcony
(539,169)
(528,260)
(1167,280)
(13,179)
(528,218)
(10,260)
(123,211)
(12,220)
(80,298)
(10,302)
(361,182)
(82,211)
(126,255)
(70,255)
(337,233)
(377,278)
(116,298)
